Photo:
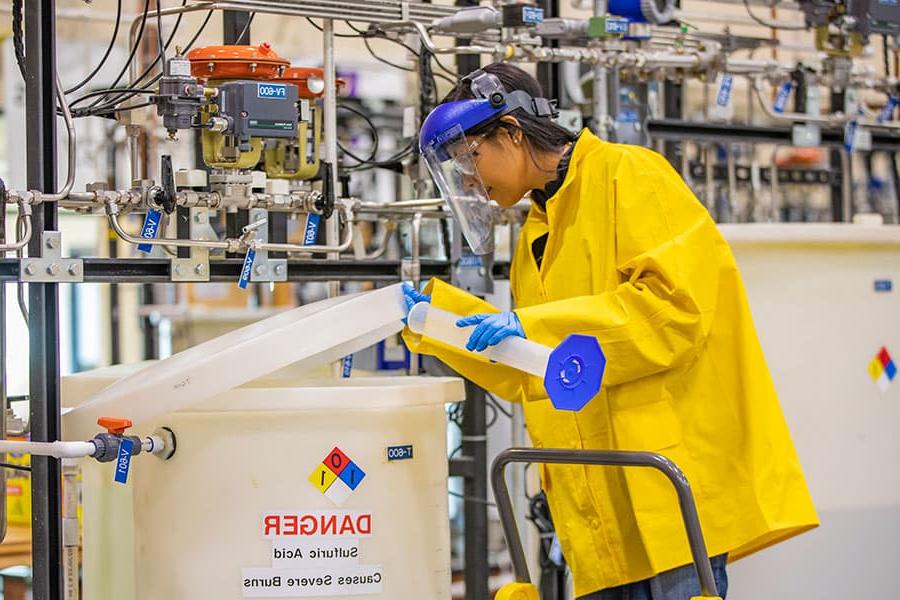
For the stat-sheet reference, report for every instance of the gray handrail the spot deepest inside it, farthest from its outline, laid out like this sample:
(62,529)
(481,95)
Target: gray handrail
(610,458)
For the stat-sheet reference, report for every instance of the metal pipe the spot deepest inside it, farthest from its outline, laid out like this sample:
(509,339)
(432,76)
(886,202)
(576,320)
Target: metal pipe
(732,178)
(331,249)
(774,183)
(600,99)
(846,184)
(112,212)
(710,187)
(601,458)
(387,231)
(25,237)
(834,119)
(415,241)
(70,132)
(71,534)
(330,116)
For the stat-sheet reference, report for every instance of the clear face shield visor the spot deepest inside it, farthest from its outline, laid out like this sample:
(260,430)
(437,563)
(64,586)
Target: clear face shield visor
(451,163)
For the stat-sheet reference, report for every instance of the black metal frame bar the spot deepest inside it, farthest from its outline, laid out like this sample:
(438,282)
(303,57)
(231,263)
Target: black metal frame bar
(43,325)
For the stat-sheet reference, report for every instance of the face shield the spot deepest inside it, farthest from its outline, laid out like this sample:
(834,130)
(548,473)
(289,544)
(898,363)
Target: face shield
(451,163)
(451,160)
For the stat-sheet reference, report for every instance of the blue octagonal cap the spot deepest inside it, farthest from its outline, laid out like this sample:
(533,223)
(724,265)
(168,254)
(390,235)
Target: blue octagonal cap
(575,372)
(466,114)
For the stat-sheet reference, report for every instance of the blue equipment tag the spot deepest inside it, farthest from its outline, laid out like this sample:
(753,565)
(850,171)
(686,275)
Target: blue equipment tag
(850,135)
(150,229)
(311,233)
(532,14)
(724,97)
(123,462)
(887,113)
(884,285)
(347,366)
(784,93)
(246,269)
(616,26)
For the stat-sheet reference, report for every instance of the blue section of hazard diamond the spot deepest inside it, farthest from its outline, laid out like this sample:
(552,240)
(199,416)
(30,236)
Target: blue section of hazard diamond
(352,475)
(890,370)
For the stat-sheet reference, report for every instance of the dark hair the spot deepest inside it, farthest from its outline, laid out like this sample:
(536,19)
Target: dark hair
(542,133)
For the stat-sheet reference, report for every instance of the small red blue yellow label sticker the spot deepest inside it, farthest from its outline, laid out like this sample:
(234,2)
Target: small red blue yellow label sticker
(882,369)
(337,477)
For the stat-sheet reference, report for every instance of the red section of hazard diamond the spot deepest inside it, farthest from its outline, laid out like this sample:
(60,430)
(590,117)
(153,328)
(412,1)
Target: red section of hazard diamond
(884,357)
(336,461)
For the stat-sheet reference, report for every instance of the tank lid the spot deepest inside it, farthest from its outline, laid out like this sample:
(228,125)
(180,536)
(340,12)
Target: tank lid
(312,335)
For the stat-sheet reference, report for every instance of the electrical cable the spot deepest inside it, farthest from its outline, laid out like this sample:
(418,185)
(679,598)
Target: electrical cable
(246,27)
(372,128)
(498,405)
(102,92)
(134,48)
(160,57)
(15,467)
(771,24)
(472,498)
(384,60)
(18,27)
(340,35)
(112,43)
(104,108)
(884,50)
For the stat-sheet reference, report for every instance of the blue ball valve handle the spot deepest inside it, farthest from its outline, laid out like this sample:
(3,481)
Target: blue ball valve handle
(575,372)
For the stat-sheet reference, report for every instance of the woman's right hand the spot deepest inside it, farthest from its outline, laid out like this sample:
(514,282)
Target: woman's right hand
(412,297)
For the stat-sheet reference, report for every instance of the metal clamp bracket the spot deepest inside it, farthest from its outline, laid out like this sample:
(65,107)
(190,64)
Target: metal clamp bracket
(265,269)
(51,267)
(195,268)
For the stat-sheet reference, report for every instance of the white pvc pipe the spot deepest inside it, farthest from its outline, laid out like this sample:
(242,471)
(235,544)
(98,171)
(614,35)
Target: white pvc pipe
(54,449)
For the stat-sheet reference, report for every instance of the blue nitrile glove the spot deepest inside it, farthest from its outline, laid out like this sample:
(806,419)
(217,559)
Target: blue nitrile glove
(491,329)
(412,297)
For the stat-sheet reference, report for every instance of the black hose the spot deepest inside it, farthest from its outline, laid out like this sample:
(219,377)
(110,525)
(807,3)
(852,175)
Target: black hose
(112,43)
(18,28)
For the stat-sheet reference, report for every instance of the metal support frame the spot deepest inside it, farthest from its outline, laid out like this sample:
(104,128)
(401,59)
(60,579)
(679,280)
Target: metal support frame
(233,23)
(43,325)
(600,458)
(474,446)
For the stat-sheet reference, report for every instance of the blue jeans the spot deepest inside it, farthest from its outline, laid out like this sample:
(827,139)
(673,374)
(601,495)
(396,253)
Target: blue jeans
(677,584)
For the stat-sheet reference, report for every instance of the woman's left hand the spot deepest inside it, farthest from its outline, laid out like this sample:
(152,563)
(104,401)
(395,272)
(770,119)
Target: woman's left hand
(491,329)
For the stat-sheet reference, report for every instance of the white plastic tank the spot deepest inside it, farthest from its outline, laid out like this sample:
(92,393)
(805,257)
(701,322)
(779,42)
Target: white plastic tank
(826,304)
(281,488)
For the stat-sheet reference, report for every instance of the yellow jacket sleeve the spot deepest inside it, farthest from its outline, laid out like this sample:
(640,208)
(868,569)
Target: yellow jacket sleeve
(502,381)
(658,316)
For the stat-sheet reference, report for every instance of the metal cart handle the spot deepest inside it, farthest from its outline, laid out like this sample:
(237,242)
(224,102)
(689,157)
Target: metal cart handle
(605,458)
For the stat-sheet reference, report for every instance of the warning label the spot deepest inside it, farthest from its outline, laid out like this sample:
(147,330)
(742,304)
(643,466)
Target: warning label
(314,553)
(336,581)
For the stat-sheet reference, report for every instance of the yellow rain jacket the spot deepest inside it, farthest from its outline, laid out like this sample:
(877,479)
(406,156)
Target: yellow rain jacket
(635,260)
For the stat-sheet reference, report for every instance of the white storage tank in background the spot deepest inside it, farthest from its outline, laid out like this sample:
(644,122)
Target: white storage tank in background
(826,304)
(288,489)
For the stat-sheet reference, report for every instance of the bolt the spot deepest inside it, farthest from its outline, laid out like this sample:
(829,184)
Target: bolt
(53,269)
(52,242)
(178,269)
(29,270)
(481,271)
(73,269)
(279,269)
(260,269)
(199,269)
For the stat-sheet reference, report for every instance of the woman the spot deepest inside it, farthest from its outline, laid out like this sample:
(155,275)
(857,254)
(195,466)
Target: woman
(616,246)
